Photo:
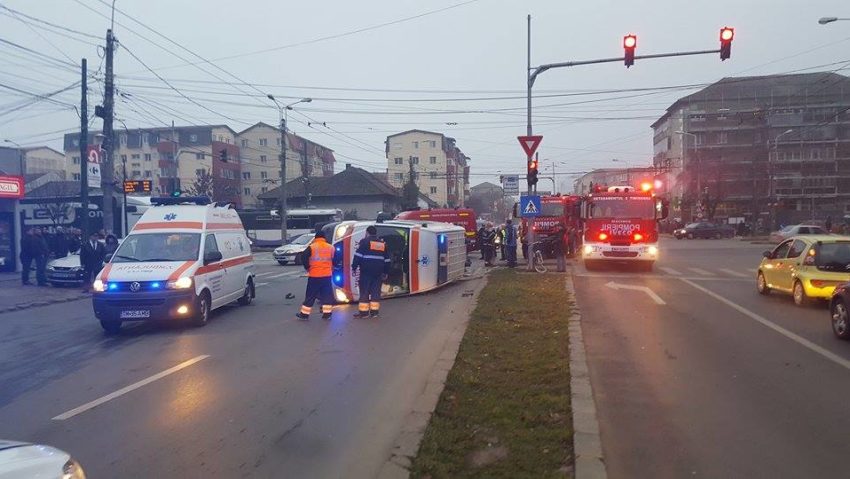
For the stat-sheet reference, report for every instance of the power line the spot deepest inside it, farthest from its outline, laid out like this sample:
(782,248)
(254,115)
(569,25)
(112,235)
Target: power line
(45,22)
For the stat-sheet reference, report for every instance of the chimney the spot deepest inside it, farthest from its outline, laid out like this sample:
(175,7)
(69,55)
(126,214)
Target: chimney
(347,166)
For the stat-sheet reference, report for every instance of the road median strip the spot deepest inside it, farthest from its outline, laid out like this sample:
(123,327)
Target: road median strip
(505,410)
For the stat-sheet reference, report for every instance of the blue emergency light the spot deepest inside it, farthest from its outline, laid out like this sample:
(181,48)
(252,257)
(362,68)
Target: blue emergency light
(338,279)
(442,239)
(112,286)
(155,285)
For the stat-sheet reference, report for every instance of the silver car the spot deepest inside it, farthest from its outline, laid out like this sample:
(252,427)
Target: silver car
(23,460)
(796,230)
(65,271)
(291,252)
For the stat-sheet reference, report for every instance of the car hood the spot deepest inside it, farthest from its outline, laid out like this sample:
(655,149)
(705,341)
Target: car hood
(30,460)
(145,271)
(291,248)
(69,261)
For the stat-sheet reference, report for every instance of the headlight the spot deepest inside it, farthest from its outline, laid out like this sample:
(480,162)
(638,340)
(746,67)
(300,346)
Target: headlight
(587,249)
(341,232)
(181,283)
(76,268)
(652,250)
(98,286)
(340,296)
(50,267)
(73,470)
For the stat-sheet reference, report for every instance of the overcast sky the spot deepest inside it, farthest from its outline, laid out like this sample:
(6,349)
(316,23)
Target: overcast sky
(457,68)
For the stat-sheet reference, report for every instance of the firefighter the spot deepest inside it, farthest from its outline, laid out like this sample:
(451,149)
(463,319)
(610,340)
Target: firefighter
(374,263)
(318,261)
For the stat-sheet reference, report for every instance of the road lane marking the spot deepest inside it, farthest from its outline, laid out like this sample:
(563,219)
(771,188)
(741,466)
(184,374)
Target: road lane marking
(779,329)
(261,284)
(97,402)
(733,273)
(645,289)
(260,275)
(669,271)
(701,271)
(655,276)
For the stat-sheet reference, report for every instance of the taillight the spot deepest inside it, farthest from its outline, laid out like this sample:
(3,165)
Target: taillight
(637,237)
(603,236)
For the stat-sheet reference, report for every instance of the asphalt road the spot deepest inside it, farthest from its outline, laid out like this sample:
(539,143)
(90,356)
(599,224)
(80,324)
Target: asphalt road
(255,393)
(710,379)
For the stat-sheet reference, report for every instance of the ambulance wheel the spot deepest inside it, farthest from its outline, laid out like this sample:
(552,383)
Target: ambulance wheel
(248,296)
(111,327)
(202,310)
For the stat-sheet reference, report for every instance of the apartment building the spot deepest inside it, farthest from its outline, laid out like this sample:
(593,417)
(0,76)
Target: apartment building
(633,176)
(260,158)
(775,148)
(441,170)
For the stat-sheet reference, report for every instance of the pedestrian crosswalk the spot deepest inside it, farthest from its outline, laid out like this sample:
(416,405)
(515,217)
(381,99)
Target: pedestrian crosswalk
(714,273)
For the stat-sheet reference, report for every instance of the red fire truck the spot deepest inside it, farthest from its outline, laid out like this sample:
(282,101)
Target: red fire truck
(621,225)
(557,211)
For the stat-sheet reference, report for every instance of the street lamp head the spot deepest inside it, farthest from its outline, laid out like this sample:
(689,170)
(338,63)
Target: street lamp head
(270,97)
(825,20)
(306,100)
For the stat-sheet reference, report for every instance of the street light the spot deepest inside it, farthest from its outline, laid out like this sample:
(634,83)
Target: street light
(20,155)
(282,111)
(770,161)
(825,20)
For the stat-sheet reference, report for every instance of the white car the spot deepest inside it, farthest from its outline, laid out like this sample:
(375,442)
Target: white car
(33,461)
(65,271)
(291,252)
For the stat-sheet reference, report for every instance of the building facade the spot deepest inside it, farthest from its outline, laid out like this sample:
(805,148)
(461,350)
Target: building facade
(769,149)
(441,170)
(585,183)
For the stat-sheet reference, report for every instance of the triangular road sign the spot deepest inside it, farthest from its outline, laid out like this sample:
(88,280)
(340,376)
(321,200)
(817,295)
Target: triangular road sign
(530,209)
(530,143)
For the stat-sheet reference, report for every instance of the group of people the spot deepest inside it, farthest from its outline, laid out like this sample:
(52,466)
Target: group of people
(40,245)
(503,239)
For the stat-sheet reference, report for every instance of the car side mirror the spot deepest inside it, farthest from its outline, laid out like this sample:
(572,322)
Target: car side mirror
(767,254)
(212,257)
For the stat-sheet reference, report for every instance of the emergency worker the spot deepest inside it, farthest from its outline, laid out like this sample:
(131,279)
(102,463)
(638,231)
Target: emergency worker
(374,264)
(489,242)
(318,261)
(510,243)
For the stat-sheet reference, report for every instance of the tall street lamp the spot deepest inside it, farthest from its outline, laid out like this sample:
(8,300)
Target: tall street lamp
(825,20)
(283,112)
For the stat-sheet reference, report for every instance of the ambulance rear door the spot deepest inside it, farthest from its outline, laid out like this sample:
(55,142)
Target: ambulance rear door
(424,259)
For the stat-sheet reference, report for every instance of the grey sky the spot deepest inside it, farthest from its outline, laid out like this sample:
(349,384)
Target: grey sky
(471,51)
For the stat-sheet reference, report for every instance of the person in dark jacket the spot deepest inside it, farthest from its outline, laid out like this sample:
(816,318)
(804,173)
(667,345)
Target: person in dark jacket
(41,254)
(480,238)
(111,245)
(60,243)
(374,263)
(488,241)
(27,254)
(92,252)
(510,243)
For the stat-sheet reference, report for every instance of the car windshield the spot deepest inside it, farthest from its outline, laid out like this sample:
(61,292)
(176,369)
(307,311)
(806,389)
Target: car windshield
(303,240)
(833,257)
(620,207)
(551,209)
(158,247)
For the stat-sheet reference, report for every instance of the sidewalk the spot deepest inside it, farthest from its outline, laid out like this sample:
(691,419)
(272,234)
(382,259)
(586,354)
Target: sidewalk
(14,296)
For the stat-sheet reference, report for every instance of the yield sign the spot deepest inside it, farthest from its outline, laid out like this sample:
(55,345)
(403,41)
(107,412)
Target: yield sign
(530,143)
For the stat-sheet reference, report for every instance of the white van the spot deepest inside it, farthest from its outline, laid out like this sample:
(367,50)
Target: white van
(183,258)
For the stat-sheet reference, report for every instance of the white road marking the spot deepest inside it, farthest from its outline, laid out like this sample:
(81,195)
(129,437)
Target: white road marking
(132,387)
(279,275)
(701,271)
(260,275)
(753,270)
(645,289)
(779,329)
(669,271)
(733,273)
(261,284)
(655,276)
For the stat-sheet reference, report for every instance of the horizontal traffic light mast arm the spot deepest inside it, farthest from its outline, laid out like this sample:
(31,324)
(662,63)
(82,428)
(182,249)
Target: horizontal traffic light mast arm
(542,68)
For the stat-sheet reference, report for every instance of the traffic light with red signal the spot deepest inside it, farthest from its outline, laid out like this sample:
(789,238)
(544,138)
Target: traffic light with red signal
(629,45)
(726,36)
(532,171)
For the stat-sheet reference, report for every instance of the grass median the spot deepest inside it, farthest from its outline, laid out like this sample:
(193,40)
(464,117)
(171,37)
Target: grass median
(505,410)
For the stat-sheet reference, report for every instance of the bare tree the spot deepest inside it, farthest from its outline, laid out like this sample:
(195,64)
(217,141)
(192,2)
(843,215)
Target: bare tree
(202,185)
(56,198)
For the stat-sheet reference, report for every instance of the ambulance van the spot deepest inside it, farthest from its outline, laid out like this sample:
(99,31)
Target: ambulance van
(184,258)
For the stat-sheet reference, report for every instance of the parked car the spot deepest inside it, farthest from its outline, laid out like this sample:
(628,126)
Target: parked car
(24,460)
(807,267)
(65,271)
(704,229)
(796,230)
(291,252)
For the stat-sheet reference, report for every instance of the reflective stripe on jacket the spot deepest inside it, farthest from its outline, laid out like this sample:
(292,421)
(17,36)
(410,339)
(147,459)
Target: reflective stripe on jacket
(319,259)
(371,256)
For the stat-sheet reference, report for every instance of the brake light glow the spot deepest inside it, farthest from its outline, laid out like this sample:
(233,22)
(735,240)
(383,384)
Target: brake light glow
(603,236)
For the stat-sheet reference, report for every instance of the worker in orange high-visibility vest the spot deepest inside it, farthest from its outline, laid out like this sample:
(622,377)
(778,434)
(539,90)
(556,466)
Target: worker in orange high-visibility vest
(318,261)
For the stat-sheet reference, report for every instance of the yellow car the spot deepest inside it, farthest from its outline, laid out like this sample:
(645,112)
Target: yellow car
(807,267)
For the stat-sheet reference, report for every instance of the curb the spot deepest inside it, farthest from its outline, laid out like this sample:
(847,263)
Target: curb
(587,444)
(35,304)
(407,443)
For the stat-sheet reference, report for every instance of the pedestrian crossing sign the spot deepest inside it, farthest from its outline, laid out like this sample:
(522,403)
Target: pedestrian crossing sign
(529,206)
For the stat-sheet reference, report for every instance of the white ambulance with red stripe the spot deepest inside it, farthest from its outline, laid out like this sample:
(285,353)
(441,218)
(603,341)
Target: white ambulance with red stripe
(184,258)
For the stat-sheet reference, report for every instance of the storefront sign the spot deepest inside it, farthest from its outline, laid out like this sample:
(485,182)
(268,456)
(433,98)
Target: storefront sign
(11,187)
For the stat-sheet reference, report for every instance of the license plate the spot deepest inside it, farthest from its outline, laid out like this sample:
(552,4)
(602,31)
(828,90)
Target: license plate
(619,249)
(63,275)
(135,314)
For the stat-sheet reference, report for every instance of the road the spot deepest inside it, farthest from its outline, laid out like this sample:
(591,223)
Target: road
(254,393)
(717,381)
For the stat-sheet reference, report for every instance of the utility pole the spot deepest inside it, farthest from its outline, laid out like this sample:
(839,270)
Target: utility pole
(529,231)
(84,153)
(283,177)
(305,172)
(107,169)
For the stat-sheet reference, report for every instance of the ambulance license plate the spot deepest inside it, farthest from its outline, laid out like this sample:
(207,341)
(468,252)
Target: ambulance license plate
(135,314)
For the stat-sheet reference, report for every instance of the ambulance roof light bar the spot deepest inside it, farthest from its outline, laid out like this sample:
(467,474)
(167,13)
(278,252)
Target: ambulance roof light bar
(180,200)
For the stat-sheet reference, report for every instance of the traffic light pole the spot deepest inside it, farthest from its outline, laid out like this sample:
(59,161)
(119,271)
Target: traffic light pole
(529,230)
(84,153)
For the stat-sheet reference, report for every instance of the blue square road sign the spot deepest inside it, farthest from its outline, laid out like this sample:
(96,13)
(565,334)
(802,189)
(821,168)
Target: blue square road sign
(529,206)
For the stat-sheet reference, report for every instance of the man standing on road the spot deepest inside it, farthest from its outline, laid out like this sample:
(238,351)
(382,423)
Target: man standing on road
(488,241)
(480,239)
(27,255)
(40,253)
(371,257)
(91,259)
(318,261)
(510,243)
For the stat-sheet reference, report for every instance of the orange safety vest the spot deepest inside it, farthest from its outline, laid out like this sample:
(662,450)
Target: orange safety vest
(321,259)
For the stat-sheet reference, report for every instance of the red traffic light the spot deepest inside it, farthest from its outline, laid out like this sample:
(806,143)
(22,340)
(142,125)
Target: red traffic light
(630,41)
(629,44)
(727,34)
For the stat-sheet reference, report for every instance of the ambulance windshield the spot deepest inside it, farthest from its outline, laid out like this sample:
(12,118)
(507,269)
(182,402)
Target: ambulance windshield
(158,247)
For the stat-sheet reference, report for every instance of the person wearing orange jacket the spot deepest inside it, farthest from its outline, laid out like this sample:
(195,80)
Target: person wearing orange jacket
(318,261)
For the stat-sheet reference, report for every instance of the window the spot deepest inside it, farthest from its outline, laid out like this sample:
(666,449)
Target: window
(244,143)
(147,173)
(135,165)
(262,158)
(76,177)
(246,191)
(433,144)
(246,175)
(432,160)
(264,189)
(135,156)
(399,176)
(136,173)
(278,141)
(123,158)
(200,172)
(199,156)
(193,138)
(815,154)
(264,142)
(264,175)
(722,138)
(797,249)
(781,251)
(397,161)
(433,190)
(210,245)
(147,157)
(699,139)
(75,160)
(415,160)
(416,144)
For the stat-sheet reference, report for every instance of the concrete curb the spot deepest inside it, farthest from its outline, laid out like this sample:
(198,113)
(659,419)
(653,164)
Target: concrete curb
(587,444)
(408,441)
(47,302)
